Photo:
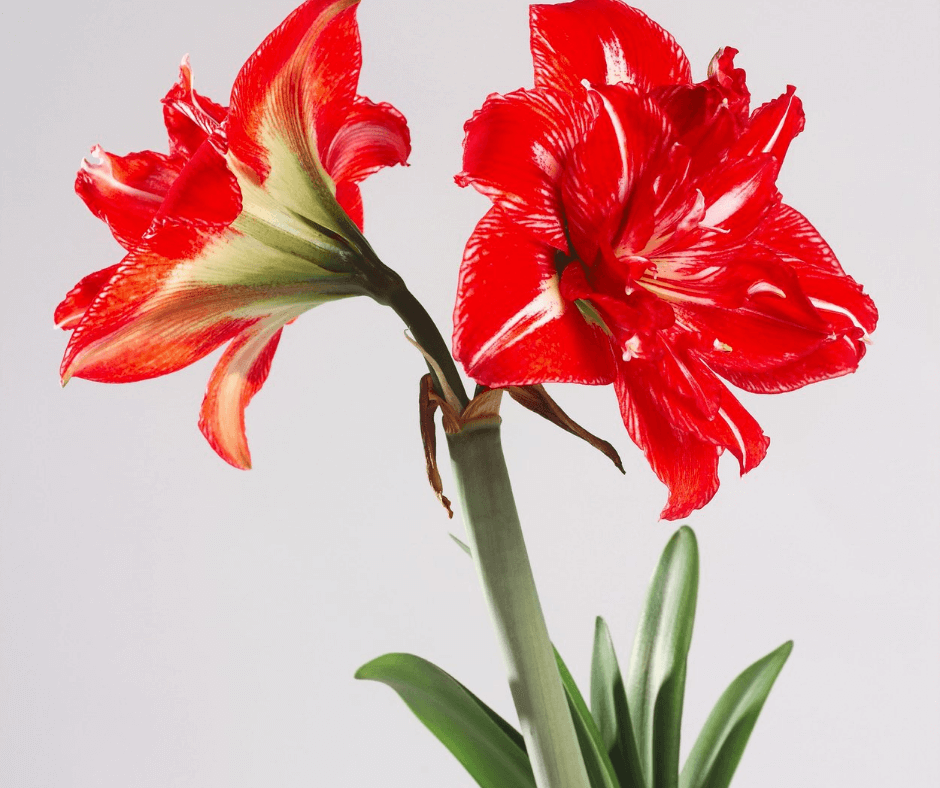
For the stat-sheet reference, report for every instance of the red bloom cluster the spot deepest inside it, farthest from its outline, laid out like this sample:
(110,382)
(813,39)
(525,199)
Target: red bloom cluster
(251,219)
(637,237)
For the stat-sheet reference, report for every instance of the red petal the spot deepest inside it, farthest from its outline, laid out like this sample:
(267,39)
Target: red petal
(198,278)
(238,376)
(738,196)
(511,324)
(350,200)
(141,325)
(516,150)
(152,316)
(664,207)
(791,235)
(604,42)
(295,118)
(831,358)
(753,348)
(737,281)
(126,191)
(694,400)
(754,307)
(840,300)
(766,354)
(702,122)
(372,136)
(302,79)
(206,190)
(69,313)
(771,356)
(772,127)
(730,82)
(673,215)
(661,407)
(605,166)
(190,118)
(709,116)
(686,465)
(181,293)
(739,432)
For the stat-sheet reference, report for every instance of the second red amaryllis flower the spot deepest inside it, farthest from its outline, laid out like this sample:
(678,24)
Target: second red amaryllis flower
(251,219)
(637,238)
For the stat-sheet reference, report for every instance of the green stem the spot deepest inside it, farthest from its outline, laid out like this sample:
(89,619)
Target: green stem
(495,537)
(496,542)
(388,288)
(425,333)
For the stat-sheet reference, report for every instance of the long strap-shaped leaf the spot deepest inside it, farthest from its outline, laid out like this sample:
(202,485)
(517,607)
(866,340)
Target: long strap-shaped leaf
(600,770)
(719,746)
(488,746)
(656,678)
(610,710)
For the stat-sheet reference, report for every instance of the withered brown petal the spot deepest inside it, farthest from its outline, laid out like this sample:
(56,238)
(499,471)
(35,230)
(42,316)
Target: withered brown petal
(428,402)
(536,399)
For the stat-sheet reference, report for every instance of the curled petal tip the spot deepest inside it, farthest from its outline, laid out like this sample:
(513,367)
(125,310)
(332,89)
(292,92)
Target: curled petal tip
(68,369)
(186,73)
(238,458)
(97,153)
(679,510)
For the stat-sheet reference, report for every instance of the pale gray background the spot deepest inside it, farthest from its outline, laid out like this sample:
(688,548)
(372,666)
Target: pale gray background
(166,620)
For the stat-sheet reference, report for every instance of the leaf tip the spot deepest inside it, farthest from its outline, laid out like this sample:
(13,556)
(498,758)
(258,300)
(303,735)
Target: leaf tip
(364,672)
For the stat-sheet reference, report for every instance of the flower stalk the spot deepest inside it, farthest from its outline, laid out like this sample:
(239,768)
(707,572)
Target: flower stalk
(496,542)
(426,335)
(499,553)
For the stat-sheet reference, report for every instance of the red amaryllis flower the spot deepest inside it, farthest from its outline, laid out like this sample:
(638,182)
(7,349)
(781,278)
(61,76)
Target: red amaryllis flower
(252,218)
(637,238)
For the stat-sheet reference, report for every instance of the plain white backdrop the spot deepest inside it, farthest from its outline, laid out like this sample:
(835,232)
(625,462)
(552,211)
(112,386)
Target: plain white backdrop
(166,620)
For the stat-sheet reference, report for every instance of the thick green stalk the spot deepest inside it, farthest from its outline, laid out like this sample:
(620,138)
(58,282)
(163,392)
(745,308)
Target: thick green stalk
(495,537)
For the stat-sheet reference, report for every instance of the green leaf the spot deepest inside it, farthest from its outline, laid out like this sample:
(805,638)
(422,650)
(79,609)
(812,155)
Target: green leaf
(721,743)
(600,770)
(610,711)
(487,746)
(656,678)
